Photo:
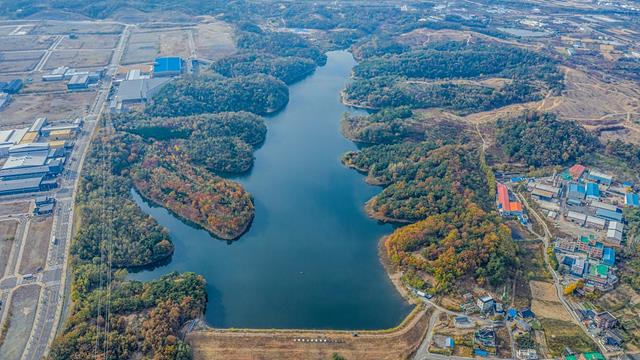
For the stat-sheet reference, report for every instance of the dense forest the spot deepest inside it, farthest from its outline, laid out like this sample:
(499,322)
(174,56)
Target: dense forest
(429,77)
(440,187)
(288,69)
(111,316)
(541,139)
(199,94)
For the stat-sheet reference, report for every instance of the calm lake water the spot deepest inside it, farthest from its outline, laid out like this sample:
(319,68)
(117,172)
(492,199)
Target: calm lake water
(310,258)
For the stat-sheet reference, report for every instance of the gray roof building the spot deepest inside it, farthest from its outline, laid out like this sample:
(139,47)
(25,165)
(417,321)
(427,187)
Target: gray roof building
(20,186)
(139,90)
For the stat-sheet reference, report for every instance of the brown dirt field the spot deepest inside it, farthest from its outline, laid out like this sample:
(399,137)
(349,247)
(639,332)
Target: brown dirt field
(421,37)
(545,302)
(18,66)
(89,42)
(21,55)
(37,245)
(22,109)
(144,46)
(14,208)
(78,59)
(214,40)
(66,27)
(25,42)
(250,345)
(23,311)
(8,230)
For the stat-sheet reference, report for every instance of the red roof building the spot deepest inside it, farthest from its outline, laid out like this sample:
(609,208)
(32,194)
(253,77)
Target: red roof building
(505,205)
(576,171)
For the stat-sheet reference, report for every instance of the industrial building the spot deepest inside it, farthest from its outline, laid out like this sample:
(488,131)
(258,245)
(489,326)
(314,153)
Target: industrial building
(600,177)
(131,92)
(506,206)
(609,215)
(56,74)
(78,82)
(167,66)
(631,199)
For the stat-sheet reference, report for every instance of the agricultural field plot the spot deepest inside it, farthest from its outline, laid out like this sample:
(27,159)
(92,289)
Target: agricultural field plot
(24,108)
(37,245)
(143,47)
(64,27)
(8,230)
(545,302)
(214,40)
(562,334)
(89,42)
(26,42)
(624,303)
(79,58)
(21,55)
(21,315)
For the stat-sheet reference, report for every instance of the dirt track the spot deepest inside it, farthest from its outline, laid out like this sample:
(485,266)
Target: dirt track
(250,345)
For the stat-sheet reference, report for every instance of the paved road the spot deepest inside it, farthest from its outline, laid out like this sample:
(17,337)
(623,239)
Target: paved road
(54,277)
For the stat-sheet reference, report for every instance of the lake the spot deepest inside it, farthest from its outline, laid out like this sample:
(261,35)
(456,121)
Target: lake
(310,258)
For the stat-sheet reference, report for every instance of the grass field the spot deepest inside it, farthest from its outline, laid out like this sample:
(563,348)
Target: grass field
(560,335)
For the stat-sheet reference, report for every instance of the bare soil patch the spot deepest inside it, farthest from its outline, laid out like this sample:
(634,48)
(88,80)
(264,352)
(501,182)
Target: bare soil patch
(545,303)
(25,42)
(54,106)
(214,40)
(79,58)
(90,42)
(37,245)
(8,230)
(23,311)
(145,46)
(66,27)
(14,208)
(236,345)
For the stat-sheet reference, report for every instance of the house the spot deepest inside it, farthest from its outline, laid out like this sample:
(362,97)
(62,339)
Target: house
(527,354)
(486,303)
(578,267)
(526,314)
(613,338)
(605,320)
(631,199)
(486,337)
(599,177)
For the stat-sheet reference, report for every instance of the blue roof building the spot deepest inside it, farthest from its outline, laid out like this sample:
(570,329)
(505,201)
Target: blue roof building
(609,215)
(448,342)
(577,191)
(167,66)
(512,313)
(609,256)
(631,199)
(593,191)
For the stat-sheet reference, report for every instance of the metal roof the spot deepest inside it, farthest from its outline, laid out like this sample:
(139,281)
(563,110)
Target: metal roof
(29,159)
(139,89)
(22,185)
(609,215)
(167,64)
